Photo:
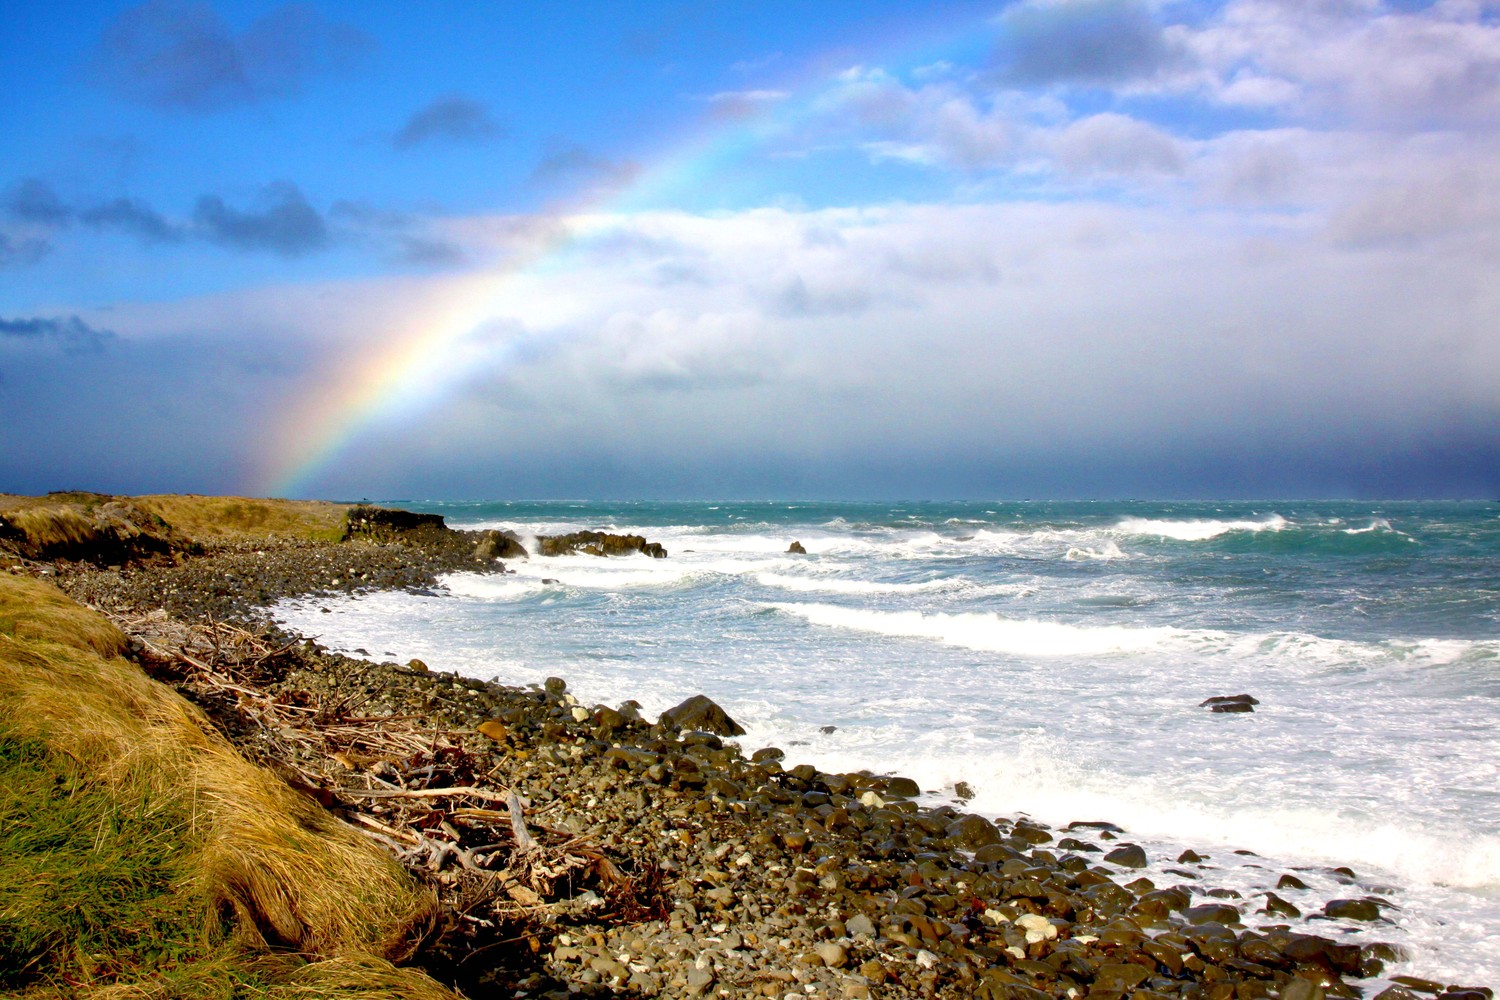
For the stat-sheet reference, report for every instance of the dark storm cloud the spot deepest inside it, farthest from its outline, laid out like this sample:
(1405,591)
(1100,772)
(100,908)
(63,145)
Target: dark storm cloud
(286,225)
(71,333)
(181,55)
(33,200)
(1080,41)
(132,216)
(449,119)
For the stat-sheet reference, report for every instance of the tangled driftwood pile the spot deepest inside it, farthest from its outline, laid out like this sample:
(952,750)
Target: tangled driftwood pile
(436,798)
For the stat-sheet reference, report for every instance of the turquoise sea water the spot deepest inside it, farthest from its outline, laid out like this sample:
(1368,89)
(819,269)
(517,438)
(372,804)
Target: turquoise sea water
(1053,656)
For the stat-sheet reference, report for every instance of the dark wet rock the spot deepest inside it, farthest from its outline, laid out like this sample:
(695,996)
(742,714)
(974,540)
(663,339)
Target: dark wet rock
(1230,703)
(1418,984)
(1127,856)
(797,549)
(700,712)
(1290,882)
(1352,909)
(1218,913)
(1298,988)
(598,543)
(896,785)
(1396,992)
(971,832)
(1278,907)
(1189,857)
(499,545)
(386,524)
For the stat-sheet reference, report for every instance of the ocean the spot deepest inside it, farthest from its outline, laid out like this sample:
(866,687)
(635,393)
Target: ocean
(1053,656)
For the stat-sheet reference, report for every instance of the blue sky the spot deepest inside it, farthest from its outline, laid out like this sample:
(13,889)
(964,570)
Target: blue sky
(1036,248)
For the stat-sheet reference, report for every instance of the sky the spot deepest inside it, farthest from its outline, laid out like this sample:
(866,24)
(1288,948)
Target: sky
(810,250)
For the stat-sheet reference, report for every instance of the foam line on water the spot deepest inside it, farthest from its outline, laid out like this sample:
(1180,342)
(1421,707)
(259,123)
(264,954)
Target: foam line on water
(1196,530)
(831,585)
(987,632)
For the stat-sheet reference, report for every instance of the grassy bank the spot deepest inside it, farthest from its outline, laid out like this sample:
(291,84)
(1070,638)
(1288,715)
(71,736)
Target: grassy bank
(142,856)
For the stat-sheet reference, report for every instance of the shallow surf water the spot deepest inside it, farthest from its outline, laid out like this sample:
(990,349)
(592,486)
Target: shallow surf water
(1053,656)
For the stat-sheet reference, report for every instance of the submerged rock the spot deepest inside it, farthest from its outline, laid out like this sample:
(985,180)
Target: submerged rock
(1230,703)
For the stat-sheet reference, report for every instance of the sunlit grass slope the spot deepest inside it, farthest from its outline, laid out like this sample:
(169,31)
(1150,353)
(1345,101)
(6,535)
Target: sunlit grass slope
(141,856)
(91,525)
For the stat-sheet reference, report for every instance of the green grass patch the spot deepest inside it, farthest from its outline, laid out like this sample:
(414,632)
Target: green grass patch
(96,888)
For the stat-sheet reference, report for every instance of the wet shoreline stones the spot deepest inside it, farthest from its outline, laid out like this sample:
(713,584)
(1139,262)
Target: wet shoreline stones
(781,879)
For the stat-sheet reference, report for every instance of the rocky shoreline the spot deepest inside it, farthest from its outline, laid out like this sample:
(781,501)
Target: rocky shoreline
(750,875)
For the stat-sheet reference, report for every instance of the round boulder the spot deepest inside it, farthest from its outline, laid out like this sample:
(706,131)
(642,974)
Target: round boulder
(700,712)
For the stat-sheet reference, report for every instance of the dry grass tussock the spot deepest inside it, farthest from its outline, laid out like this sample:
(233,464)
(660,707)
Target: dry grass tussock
(104,528)
(276,871)
(208,519)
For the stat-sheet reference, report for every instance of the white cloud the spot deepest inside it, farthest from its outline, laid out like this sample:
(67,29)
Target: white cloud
(1112,143)
(1439,65)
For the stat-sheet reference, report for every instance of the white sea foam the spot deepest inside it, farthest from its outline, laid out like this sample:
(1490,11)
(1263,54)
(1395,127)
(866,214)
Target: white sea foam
(1109,550)
(837,585)
(987,632)
(1198,530)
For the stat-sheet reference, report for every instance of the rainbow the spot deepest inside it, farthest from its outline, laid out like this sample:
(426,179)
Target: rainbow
(403,373)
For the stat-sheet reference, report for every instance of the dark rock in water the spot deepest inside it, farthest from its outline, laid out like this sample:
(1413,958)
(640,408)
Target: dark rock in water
(1278,907)
(700,712)
(797,548)
(1094,824)
(767,753)
(1127,856)
(549,579)
(598,543)
(963,790)
(825,730)
(900,787)
(1395,993)
(555,685)
(1352,909)
(1217,913)
(499,545)
(1189,857)
(1290,882)
(1418,984)
(1230,703)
